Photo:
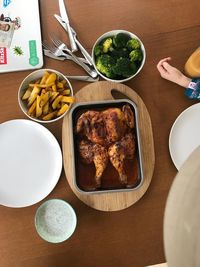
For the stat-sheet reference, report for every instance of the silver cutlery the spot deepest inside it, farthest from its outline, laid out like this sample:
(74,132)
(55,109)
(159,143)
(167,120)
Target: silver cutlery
(63,13)
(82,49)
(83,78)
(58,53)
(48,53)
(73,77)
(53,49)
(61,47)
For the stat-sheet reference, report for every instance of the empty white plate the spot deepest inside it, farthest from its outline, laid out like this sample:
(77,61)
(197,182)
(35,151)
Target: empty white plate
(30,163)
(185,135)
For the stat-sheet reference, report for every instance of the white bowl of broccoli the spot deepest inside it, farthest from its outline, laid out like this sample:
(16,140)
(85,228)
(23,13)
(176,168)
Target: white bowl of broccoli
(118,55)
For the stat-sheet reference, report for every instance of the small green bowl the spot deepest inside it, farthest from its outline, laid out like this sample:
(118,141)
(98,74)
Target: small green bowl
(55,220)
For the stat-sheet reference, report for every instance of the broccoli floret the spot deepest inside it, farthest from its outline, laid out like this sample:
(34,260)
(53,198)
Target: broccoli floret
(133,44)
(111,48)
(136,55)
(107,44)
(120,40)
(121,52)
(104,64)
(98,50)
(124,67)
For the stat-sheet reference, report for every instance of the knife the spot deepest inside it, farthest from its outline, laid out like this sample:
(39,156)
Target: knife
(63,13)
(116,94)
(82,49)
(83,78)
(61,58)
(49,54)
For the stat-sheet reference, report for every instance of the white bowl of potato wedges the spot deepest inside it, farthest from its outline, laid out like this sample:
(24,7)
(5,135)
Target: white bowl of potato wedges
(45,95)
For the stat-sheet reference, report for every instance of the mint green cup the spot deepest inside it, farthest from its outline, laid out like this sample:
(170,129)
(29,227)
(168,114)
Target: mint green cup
(55,220)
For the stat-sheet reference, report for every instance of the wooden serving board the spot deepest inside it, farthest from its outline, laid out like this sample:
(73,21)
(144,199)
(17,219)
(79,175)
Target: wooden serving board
(116,200)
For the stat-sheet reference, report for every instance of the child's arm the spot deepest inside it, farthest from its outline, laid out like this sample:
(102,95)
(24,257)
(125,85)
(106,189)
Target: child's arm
(172,74)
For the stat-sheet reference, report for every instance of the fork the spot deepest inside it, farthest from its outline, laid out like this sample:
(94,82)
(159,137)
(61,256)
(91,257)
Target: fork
(48,53)
(61,47)
(54,50)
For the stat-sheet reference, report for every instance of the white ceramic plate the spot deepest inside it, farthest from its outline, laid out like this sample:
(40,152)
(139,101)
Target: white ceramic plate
(31,163)
(185,135)
(55,220)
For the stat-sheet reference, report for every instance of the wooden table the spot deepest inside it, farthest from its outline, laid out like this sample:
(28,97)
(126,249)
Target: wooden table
(132,237)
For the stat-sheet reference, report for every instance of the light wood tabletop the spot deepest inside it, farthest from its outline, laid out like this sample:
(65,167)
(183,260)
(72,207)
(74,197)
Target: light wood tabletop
(132,237)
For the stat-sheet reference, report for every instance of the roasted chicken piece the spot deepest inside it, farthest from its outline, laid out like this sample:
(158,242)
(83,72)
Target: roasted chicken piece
(105,127)
(128,116)
(115,124)
(96,153)
(91,125)
(86,151)
(119,151)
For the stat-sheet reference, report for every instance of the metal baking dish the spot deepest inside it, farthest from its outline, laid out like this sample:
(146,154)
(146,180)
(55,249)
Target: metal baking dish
(83,173)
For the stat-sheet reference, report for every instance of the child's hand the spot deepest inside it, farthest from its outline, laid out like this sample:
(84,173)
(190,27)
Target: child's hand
(172,74)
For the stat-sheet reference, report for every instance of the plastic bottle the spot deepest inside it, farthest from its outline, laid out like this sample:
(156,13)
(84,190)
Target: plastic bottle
(192,66)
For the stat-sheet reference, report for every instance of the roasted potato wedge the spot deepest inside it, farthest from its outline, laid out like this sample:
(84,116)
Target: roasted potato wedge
(38,107)
(27,94)
(49,116)
(33,95)
(31,110)
(51,79)
(56,101)
(62,110)
(68,99)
